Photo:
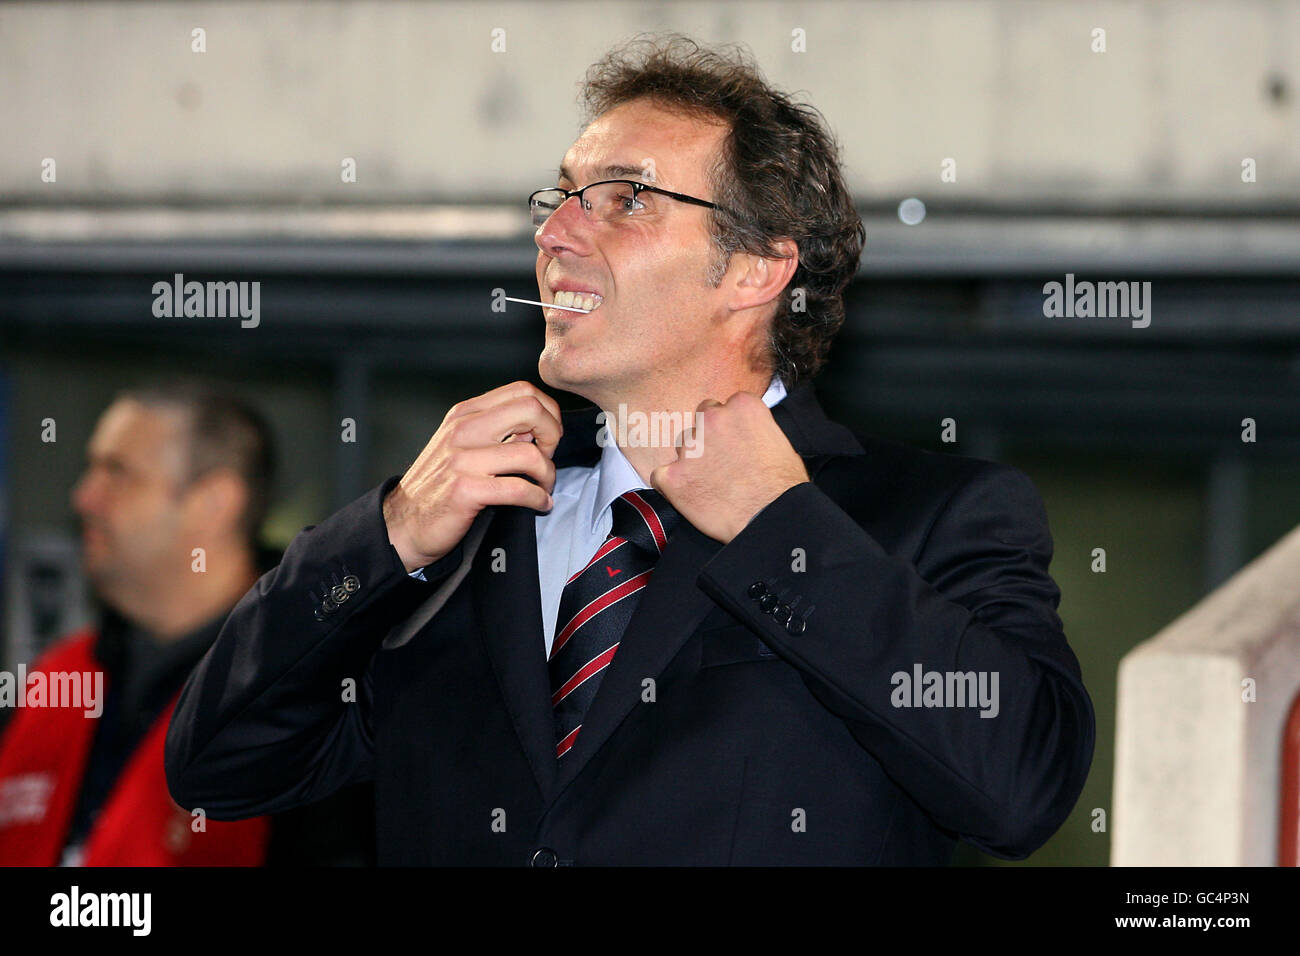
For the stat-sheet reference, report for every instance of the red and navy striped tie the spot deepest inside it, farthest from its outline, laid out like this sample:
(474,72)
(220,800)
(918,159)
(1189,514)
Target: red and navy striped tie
(597,604)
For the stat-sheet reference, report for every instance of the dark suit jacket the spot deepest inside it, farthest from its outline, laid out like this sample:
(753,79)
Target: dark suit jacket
(719,735)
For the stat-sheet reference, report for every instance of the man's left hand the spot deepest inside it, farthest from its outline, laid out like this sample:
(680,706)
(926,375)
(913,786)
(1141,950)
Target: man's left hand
(732,464)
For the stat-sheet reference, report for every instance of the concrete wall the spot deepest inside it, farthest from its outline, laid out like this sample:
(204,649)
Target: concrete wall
(414,92)
(1197,756)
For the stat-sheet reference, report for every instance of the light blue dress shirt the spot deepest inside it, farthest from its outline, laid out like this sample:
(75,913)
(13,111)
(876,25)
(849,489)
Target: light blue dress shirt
(572,531)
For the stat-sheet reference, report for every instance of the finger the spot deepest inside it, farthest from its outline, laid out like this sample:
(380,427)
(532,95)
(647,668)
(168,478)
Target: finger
(501,395)
(659,478)
(509,490)
(508,458)
(534,421)
(550,404)
(525,414)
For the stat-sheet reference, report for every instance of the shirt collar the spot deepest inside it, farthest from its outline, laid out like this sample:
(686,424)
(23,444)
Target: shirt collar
(617,476)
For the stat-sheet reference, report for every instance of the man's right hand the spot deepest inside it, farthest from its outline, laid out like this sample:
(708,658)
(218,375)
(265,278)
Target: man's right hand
(473,461)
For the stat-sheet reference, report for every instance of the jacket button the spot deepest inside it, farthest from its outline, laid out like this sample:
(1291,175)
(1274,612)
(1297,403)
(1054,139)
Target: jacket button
(795,625)
(545,857)
(340,593)
(351,583)
(329,605)
(320,614)
(757,589)
(782,613)
(767,602)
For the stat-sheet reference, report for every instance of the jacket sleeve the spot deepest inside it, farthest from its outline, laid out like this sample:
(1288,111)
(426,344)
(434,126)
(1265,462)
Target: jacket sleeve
(977,601)
(277,714)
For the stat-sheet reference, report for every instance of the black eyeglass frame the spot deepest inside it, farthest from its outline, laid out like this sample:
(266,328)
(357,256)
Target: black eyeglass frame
(637,189)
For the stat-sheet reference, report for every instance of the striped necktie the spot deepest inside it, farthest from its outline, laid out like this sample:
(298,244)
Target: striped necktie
(597,604)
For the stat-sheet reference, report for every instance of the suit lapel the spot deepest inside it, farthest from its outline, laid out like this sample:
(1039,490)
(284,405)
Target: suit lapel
(509,606)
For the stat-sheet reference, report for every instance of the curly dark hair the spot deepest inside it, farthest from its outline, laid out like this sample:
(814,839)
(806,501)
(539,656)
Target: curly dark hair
(778,175)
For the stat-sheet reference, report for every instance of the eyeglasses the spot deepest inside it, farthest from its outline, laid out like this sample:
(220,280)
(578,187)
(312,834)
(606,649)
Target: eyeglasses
(606,201)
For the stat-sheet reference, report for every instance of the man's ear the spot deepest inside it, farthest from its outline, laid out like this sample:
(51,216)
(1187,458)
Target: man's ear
(762,279)
(217,499)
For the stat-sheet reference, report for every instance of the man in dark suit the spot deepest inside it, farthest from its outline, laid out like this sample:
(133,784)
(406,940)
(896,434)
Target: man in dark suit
(666,628)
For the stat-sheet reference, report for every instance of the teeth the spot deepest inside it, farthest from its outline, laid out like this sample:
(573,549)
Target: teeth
(577,300)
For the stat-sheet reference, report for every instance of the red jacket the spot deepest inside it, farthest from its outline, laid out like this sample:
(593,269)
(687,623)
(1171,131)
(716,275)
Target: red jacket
(43,754)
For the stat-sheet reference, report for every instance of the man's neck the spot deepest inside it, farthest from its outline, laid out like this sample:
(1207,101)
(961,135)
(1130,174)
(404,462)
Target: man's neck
(170,610)
(647,426)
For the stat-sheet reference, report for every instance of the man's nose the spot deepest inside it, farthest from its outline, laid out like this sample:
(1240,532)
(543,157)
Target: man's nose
(566,228)
(84,494)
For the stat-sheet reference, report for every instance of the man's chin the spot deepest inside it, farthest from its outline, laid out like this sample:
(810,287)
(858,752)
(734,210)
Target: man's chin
(92,562)
(591,381)
(102,584)
(557,373)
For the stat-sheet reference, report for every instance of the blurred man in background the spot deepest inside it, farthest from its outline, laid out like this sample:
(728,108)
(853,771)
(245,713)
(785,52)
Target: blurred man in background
(175,491)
